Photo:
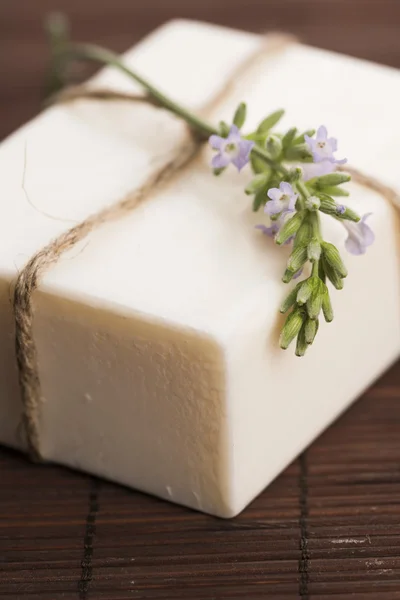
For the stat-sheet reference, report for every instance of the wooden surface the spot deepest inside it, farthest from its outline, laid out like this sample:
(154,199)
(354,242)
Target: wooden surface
(327,528)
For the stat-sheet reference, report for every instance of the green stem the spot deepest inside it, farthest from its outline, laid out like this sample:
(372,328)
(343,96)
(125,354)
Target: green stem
(205,129)
(302,188)
(315,269)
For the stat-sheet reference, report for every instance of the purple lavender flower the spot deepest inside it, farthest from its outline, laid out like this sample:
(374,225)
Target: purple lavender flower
(323,148)
(232,149)
(275,227)
(298,273)
(340,209)
(270,231)
(360,235)
(282,199)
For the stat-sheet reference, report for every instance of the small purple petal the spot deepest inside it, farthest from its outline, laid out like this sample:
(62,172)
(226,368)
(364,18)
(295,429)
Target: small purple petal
(234,136)
(269,231)
(242,158)
(298,273)
(360,236)
(273,207)
(333,144)
(322,134)
(340,209)
(275,194)
(354,246)
(308,140)
(221,160)
(216,141)
(367,233)
(286,188)
(292,203)
(312,170)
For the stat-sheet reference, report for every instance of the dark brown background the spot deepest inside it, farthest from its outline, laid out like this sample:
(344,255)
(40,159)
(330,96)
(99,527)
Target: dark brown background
(329,527)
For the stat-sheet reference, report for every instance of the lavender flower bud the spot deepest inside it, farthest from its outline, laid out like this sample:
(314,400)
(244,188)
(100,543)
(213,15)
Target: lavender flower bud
(314,303)
(327,204)
(314,250)
(289,137)
(306,289)
(313,203)
(310,330)
(295,174)
(332,275)
(297,259)
(259,200)
(332,257)
(273,146)
(336,191)
(288,276)
(290,228)
(290,299)
(304,234)
(300,152)
(291,328)
(257,183)
(332,179)
(349,215)
(327,307)
(301,346)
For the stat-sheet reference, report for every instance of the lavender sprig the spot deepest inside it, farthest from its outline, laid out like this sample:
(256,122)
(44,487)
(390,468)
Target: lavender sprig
(294,201)
(293,197)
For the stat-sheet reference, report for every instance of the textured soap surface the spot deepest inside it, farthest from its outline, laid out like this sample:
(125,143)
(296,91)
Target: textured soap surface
(157,336)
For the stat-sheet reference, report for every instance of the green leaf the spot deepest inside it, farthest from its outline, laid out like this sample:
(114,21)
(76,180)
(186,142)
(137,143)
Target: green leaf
(240,115)
(333,258)
(223,128)
(288,138)
(259,182)
(258,164)
(300,152)
(289,228)
(273,145)
(259,200)
(218,171)
(291,328)
(270,121)
(301,138)
(295,174)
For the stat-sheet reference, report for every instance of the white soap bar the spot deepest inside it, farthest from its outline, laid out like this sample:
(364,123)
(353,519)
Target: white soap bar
(157,337)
